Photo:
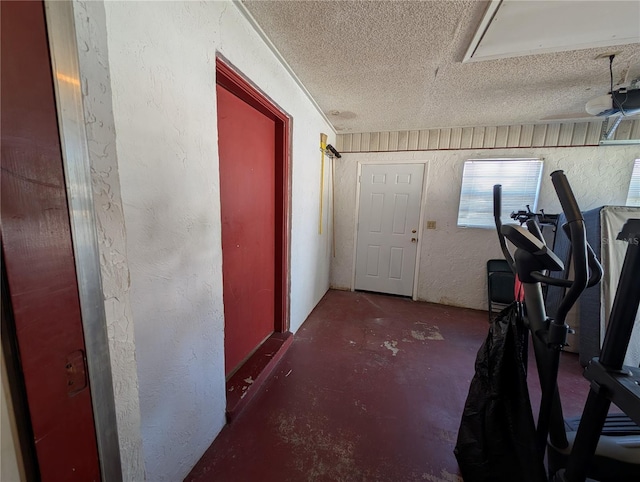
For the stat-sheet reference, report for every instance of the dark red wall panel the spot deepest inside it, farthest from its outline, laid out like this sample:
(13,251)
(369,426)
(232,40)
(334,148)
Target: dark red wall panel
(39,255)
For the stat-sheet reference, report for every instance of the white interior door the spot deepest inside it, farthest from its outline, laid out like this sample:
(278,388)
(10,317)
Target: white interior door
(388,221)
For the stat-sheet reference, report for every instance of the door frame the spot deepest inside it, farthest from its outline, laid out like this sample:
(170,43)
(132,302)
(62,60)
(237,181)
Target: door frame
(63,50)
(423,204)
(231,79)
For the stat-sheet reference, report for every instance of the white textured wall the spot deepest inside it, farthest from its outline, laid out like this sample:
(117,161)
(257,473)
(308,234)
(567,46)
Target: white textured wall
(161,65)
(93,58)
(452,263)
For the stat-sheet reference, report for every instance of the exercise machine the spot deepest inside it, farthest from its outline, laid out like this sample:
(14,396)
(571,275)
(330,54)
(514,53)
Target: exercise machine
(604,449)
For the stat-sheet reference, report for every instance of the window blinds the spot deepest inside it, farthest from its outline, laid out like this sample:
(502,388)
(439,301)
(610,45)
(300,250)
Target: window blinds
(520,179)
(633,198)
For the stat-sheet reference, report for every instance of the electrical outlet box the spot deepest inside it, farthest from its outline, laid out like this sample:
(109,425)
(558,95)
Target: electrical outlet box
(431,225)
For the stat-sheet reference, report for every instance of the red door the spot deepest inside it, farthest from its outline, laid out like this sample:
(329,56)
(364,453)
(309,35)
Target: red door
(38,254)
(246,142)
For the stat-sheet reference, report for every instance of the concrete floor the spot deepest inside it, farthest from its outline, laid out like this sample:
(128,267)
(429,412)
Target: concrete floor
(372,388)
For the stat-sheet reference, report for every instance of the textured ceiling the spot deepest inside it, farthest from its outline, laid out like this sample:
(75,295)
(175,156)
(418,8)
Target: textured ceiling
(382,66)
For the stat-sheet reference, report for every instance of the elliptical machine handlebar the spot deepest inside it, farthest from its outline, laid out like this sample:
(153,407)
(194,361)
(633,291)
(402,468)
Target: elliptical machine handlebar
(579,251)
(565,195)
(497,212)
(595,269)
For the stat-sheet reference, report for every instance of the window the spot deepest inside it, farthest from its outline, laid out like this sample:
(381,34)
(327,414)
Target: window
(520,179)
(633,198)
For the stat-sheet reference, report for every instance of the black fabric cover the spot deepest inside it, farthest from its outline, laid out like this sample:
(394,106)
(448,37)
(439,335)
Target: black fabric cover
(496,439)
(591,299)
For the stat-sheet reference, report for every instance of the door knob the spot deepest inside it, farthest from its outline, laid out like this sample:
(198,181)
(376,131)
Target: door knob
(414,240)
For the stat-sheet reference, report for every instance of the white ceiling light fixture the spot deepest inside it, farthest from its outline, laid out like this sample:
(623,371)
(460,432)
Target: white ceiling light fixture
(516,28)
(624,102)
(616,105)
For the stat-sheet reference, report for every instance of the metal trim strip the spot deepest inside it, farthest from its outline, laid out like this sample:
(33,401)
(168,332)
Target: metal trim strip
(75,154)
